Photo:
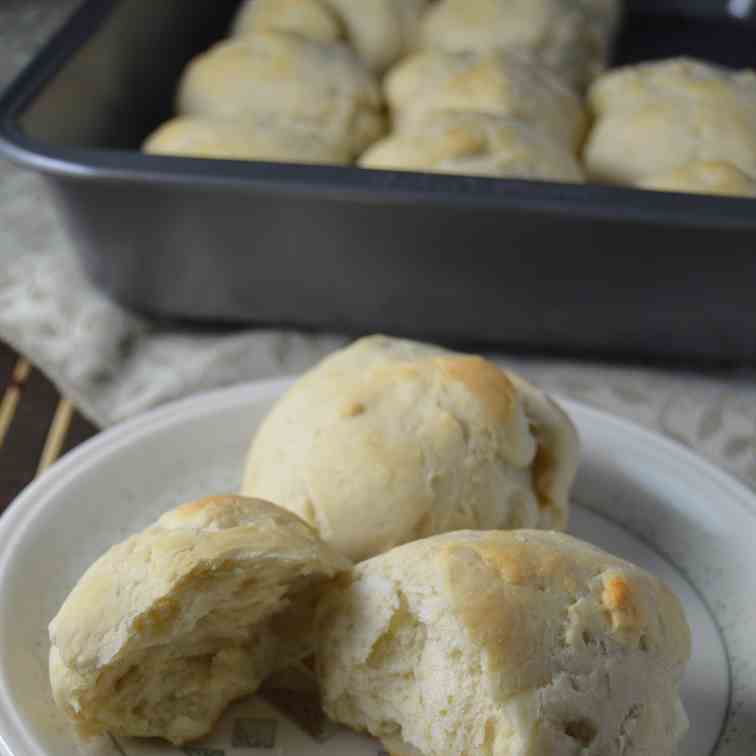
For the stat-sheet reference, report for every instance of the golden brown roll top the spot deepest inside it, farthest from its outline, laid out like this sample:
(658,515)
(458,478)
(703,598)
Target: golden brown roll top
(496,84)
(380,31)
(473,144)
(388,441)
(674,123)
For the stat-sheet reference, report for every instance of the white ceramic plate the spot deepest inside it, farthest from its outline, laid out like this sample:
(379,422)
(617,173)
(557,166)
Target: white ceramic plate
(638,495)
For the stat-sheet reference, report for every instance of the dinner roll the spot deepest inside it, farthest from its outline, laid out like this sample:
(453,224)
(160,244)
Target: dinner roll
(504,643)
(168,627)
(499,84)
(570,37)
(656,118)
(388,441)
(381,31)
(323,88)
(474,144)
(310,18)
(704,177)
(243,139)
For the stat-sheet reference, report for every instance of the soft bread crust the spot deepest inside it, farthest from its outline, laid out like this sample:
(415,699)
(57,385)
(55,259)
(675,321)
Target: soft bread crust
(389,440)
(571,38)
(656,118)
(168,627)
(380,31)
(704,177)
(309,18)
(244,139)
(475,144)
(520,643)
(431,81)
(323,88)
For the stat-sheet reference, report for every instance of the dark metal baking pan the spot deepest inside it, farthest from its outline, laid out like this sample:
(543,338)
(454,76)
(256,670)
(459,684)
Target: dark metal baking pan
(499,262)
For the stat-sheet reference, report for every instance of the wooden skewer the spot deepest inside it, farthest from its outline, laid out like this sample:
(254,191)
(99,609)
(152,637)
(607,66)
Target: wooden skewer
(11,396)
(56,436)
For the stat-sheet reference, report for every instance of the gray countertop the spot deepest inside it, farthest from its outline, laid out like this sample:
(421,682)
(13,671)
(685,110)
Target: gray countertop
(28,222)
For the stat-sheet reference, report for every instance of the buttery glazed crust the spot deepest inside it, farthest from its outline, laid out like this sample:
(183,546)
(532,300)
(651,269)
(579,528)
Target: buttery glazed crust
(572,38)
(169,626)
(655,119)
(323,88)
(243,139)
(380,31)
(309,18)
(505,643)
(704,177)
(475,144)
(388,441)
(430,82)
